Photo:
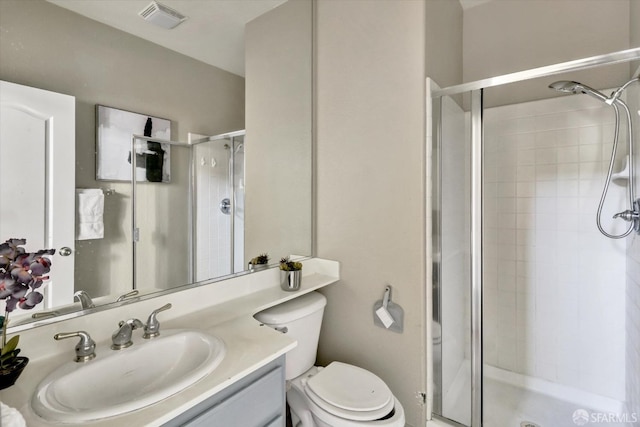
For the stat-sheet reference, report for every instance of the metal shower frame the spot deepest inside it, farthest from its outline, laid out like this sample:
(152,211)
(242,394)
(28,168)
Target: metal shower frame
(477,142)
(135,233)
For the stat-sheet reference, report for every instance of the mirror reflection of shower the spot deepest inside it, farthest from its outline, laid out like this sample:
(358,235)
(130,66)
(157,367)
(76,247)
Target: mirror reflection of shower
(632,214)
(218,180)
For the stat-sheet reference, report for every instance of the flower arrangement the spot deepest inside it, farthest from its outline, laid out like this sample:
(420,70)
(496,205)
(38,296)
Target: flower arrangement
(21,274)
(287,265)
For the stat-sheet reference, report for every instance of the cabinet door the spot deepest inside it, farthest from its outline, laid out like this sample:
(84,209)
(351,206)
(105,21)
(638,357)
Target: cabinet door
(256,401)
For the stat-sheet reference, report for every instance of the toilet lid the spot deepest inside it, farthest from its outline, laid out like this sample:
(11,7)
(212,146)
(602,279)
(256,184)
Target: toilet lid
(350,392)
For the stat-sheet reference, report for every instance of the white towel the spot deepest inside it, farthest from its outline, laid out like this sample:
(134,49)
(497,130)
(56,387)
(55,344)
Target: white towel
(10,417)
(90,208)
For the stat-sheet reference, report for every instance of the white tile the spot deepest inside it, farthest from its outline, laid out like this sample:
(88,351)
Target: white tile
(546,156)
(526,157)
(525,141)
(590,153)
(568,154)
(525,173)
(590,135)
(568,171)
(525,189)
(546,189)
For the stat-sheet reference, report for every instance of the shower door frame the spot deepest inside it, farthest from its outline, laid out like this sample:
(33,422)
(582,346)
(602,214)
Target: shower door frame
(477,145)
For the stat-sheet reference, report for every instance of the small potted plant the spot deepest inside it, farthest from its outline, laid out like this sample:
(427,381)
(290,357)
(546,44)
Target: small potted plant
(290,274)
(21,274)
(259,263)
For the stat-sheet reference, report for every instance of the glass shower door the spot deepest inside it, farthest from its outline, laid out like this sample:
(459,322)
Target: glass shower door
(451,266)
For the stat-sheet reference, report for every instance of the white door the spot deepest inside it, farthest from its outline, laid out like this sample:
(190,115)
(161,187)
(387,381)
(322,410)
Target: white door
(37,178)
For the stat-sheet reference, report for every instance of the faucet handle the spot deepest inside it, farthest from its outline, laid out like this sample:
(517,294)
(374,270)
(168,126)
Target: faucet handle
(152,328)
(86,347)
(123,297)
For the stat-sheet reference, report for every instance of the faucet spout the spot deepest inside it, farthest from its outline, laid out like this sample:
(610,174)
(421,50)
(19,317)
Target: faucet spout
(628,215)
(121,338)
(84,299)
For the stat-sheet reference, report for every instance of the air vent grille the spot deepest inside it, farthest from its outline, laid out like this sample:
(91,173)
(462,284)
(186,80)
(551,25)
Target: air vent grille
(161,15)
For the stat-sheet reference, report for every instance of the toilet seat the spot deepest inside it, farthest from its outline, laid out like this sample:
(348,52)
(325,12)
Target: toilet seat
(350,392)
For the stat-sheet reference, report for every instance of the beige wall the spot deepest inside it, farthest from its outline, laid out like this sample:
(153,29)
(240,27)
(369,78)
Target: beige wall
(501,37)
(51,48)
(278,142)
(370,174)
(444,19)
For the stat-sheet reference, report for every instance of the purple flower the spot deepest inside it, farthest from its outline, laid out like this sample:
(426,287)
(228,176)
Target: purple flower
(21,273)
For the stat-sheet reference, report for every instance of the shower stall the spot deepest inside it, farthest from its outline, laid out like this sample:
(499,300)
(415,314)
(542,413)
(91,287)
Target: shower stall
(219,205)
(203,200)
(535,314)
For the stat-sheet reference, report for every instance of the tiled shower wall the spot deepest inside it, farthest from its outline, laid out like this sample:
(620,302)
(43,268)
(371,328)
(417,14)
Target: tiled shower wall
(213,257)
(633,289)
(554,286)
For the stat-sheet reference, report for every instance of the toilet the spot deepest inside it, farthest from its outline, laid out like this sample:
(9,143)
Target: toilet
(338,395)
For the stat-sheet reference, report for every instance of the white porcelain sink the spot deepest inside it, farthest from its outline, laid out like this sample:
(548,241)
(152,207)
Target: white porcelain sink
(116,382)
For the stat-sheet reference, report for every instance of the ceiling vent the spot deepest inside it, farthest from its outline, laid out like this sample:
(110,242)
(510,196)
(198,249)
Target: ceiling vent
(161,15)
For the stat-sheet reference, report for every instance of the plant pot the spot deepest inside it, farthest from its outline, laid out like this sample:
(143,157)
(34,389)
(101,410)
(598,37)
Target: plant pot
(257,267)
(290,280)
(9,375)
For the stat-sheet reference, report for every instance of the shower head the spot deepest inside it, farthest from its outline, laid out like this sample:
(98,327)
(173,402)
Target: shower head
(575,87)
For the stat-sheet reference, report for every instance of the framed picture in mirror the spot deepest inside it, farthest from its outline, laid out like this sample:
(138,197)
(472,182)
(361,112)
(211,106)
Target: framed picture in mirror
(114,131)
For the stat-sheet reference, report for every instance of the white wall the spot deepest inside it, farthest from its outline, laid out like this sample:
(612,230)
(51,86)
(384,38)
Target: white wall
(554,286)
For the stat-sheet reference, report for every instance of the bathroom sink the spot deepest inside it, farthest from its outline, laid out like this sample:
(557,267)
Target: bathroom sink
(117,382)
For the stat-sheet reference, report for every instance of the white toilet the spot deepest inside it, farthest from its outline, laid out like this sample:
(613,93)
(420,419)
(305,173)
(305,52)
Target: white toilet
(339,395)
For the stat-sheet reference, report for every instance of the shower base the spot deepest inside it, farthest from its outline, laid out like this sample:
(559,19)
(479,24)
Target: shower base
(511,399)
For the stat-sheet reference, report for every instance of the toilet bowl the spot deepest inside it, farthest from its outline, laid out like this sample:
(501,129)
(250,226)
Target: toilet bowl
(339,395)
(342,399)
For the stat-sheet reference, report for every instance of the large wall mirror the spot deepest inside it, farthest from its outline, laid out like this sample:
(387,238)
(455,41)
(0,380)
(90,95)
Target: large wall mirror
(234,80)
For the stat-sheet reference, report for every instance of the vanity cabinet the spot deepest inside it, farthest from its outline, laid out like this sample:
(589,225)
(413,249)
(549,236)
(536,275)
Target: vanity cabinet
(258,400)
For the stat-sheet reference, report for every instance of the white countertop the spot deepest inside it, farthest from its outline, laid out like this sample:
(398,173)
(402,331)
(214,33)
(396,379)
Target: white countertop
(224,309)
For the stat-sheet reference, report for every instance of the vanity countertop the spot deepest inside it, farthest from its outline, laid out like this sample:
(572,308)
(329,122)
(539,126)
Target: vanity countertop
(229,316)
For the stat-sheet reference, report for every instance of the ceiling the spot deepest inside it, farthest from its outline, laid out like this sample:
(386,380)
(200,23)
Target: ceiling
(213,32)
(466,4)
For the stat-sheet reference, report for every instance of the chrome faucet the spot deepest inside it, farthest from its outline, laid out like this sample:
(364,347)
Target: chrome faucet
(84,299)
(121,338)
(86,347)
(152,328)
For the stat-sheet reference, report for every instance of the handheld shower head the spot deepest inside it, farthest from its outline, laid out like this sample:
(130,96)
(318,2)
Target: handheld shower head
(575,87)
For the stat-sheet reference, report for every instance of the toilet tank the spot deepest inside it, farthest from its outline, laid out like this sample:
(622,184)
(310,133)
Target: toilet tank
(302,318)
